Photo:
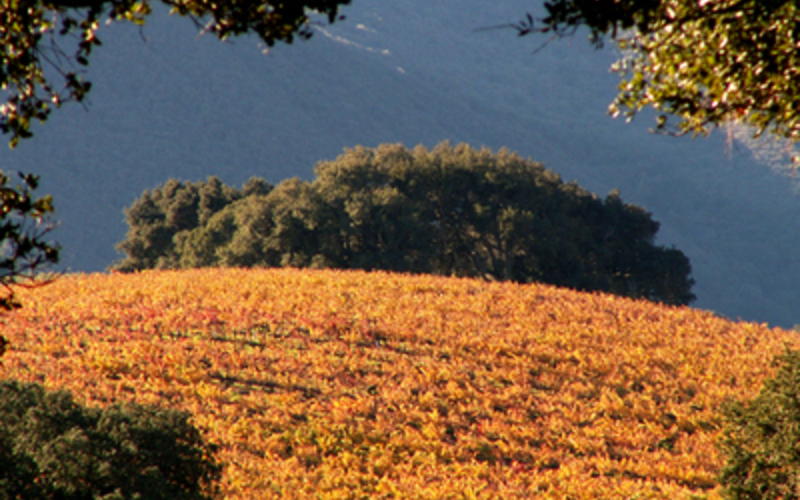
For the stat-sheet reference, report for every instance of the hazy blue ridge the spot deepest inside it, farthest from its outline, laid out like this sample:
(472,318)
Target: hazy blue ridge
(169,103)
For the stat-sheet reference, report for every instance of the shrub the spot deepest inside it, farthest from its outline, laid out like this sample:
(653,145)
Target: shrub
(53,448)
(762,439)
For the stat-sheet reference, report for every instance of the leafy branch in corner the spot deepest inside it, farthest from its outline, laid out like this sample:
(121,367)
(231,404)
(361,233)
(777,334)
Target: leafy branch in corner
(46,41)
(699,64)
(24,225)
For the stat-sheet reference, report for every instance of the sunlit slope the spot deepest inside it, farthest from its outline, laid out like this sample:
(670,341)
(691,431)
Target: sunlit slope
(325,384)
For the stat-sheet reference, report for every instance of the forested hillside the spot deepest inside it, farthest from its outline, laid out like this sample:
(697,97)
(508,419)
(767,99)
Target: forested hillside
(331,384)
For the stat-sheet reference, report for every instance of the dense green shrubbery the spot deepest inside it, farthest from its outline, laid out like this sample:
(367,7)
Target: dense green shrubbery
(762,440)
(448,211)
(52,448)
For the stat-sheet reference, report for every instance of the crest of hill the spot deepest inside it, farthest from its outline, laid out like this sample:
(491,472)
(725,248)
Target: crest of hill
(415,72)
(333,384)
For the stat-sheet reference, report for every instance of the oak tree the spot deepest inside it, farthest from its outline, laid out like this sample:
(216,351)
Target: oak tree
(448,211)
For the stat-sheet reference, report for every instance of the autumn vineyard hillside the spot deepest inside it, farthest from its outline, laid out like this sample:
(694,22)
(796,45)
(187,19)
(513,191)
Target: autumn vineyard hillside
(354,385)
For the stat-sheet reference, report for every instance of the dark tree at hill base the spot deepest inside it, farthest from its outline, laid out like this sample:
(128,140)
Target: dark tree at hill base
(760,439)
(52,448)
(453,211)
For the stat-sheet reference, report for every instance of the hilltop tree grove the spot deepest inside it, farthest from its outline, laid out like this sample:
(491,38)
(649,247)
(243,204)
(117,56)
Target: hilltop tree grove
(447,211)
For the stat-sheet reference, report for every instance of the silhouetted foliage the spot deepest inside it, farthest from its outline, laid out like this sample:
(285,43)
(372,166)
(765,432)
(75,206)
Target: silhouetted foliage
(449,211)
(706,63)
(24,224)
(24,252)
(47,42)
(761,439)
(52,448)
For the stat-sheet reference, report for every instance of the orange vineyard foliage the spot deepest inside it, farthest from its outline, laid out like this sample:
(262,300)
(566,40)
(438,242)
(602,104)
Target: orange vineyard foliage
(353,385)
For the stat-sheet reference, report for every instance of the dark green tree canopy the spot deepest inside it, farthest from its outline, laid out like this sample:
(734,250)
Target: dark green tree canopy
(449,211)
(761,439)
(699,63)
(53,448)
(45,42)
(170,212)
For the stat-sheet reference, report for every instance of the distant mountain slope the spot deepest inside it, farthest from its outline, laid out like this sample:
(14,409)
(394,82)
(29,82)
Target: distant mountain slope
(331,384)
(410,71)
